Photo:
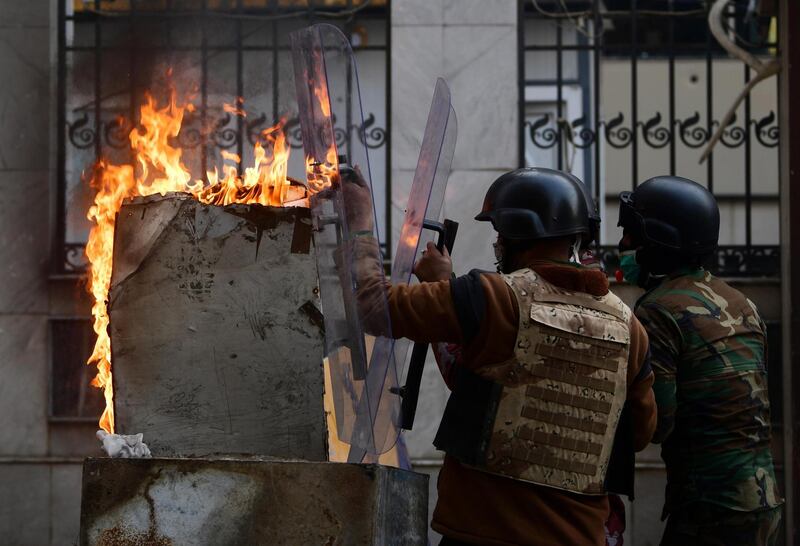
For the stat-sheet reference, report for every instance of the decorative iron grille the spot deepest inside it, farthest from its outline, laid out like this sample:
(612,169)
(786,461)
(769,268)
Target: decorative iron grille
(112,51)
(621,90)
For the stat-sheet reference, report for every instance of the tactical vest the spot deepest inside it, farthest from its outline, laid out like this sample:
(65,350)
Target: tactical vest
(562,393)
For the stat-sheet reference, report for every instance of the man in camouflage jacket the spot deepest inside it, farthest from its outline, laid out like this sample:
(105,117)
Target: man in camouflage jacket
(708,352)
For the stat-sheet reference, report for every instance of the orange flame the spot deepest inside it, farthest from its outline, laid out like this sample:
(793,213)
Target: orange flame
(236,108)
(160,169)
(321,175)
(324,101)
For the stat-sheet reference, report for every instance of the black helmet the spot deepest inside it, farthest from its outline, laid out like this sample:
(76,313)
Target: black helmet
(673,215)
(535,204)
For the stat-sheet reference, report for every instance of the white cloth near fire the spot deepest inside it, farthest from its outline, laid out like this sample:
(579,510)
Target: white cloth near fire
(126,447)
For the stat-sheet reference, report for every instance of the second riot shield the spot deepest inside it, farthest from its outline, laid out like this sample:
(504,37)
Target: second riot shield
(349,262)
(427,192)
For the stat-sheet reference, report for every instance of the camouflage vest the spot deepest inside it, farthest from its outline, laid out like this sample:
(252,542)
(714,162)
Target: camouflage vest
(563,390)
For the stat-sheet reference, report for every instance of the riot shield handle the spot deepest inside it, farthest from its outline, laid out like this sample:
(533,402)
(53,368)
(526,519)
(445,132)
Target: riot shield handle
(447,231)
(410,391)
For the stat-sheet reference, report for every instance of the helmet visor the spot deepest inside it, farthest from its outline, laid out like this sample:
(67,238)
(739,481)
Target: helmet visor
(484,217)
(629,218)
(646,231)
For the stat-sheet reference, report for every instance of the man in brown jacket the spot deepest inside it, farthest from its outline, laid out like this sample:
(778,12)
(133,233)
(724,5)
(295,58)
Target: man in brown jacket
(552,390)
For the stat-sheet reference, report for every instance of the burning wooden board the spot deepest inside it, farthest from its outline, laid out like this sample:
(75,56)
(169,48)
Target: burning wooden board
(215,333)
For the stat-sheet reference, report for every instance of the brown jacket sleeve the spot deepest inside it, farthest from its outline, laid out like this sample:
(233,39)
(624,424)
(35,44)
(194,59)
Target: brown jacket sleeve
(424,312)
(427,312)
(450,311)
(641,400)
(421,312)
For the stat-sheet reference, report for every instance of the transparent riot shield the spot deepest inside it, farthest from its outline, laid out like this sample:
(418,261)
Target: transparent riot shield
(357,327)
(427,193)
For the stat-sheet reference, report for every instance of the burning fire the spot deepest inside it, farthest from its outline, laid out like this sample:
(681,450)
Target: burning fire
(159,169)
(321,175)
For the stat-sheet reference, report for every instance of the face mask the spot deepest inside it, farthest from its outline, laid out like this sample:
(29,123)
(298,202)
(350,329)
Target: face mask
(631,271)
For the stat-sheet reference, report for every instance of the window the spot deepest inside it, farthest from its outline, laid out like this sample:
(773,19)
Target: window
(618,91)
(71,395)
(112,52)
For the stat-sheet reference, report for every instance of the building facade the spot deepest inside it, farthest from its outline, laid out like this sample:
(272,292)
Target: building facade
(575,85)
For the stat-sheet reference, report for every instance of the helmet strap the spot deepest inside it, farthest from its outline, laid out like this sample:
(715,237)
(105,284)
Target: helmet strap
(500,255)
(576,250)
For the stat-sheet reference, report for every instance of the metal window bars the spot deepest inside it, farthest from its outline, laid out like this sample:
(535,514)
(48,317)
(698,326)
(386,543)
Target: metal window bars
(565,49)
(106,55)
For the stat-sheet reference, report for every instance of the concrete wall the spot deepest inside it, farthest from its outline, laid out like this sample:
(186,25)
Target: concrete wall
(39,462)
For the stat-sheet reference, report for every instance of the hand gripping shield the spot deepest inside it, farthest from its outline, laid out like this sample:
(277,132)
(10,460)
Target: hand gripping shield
(357,346)
(427,193)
